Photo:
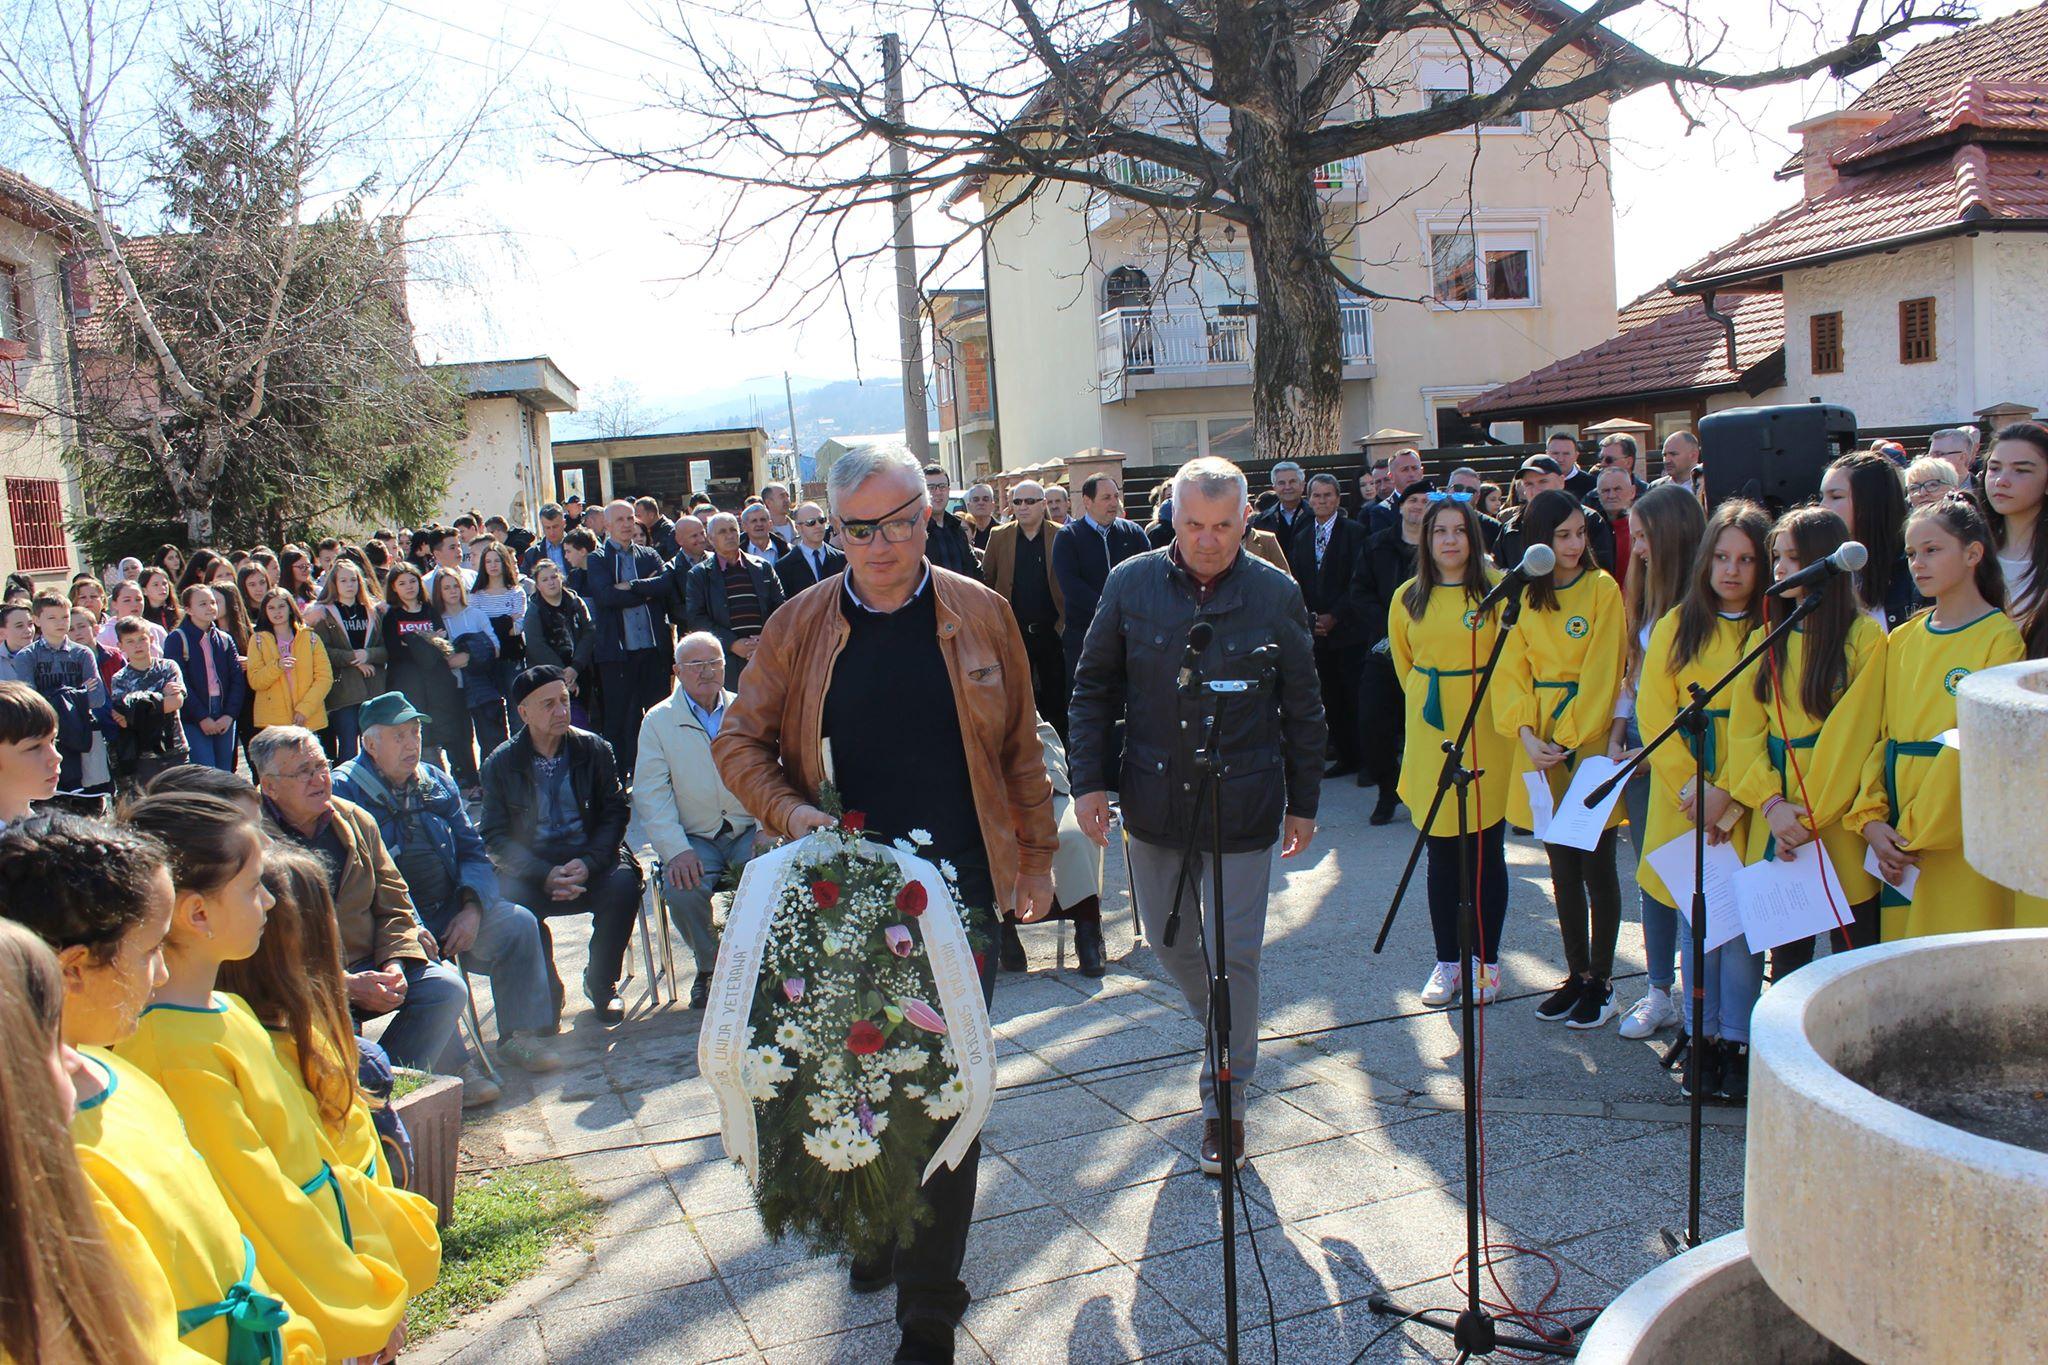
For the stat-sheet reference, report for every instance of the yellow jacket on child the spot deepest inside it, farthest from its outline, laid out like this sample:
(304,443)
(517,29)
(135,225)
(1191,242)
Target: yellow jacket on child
(1661,693)
(1559,676)
(281,691)
(1434,659)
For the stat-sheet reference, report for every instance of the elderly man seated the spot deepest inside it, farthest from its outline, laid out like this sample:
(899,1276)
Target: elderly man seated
(555,824)
(449,875)
(389,958)
(699,829)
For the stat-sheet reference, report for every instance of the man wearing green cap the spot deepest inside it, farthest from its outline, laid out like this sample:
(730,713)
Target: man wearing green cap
(449,874)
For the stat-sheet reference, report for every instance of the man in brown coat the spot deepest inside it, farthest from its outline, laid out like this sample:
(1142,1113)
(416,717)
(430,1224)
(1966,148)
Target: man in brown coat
(918,679)
(1034,596)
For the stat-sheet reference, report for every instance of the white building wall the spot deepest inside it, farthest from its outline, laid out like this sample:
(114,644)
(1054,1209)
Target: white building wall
(2011,330)
(497,471)
(1044,292)
(32,438)
(1867,292)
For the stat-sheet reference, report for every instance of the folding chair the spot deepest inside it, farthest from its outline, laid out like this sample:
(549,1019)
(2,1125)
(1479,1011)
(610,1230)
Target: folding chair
(472,1026)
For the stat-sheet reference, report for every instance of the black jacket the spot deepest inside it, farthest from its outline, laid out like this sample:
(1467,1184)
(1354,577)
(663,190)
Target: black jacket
(1272,740)
(1328,589)
(1387,563)
(793,570)
(616,579)
(511,820)
(705,606)
(1271,520)
(949,545)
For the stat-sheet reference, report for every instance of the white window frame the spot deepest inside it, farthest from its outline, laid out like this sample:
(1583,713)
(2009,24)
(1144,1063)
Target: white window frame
(1446,69)
(1202,421)
(1447,396)
(1490,229)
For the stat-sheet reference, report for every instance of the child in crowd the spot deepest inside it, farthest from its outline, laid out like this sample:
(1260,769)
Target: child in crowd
(1558,680)
(1438,647)
(215,685)
(29,762)
(1910,808)
(62,1294)
(310,1220)
(288,669)
(147,696)
(17,633)
(68,676)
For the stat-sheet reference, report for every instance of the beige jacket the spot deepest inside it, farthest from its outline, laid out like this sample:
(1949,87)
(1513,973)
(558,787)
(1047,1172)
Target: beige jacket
(676,788)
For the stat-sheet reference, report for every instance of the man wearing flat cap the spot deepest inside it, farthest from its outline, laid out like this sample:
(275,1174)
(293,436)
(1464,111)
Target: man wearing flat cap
(555,824)
(1540,474)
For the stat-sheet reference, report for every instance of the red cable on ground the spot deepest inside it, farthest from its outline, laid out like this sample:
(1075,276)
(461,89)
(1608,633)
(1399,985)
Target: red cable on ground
(1799,774)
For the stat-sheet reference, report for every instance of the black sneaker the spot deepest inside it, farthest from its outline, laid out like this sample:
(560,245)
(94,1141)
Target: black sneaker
(1710,1056)
(1013,959)
(1383,809)
(871,1277)
(1732,1087)
(700,991)
(1595,1005)
(1562,999)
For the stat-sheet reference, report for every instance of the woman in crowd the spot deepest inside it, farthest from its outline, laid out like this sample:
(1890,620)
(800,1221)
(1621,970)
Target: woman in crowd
(295,574)
(1929,480)
(2015,482)
(127,600)
(1490,500)
(1910,807)
(1865,491)
(498,595)
(1557,682)
(344,617)
(558,634)
(89,594)
(1803,726)
(159,607)
(417,665)
(289,672)
(1698,642)
(309,1219)
(171,560)
(293,983)
(1665,527)
(63,1294)
(198,569)
(473,650)
(1438,648)
(100,896)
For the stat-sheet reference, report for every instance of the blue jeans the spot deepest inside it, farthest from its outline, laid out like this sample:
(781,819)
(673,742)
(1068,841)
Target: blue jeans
(690,911)
(344,733)
(507,952)
(1734,979)
(212,751)
(422,1032)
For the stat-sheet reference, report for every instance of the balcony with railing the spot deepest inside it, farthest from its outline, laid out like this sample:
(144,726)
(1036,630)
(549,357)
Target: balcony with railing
(1339,180)
(1187,347)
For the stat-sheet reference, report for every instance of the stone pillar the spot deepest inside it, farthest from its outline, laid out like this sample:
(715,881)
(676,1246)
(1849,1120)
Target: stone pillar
(2002,721)
(2003,414)
(1083,465)
(1821,135)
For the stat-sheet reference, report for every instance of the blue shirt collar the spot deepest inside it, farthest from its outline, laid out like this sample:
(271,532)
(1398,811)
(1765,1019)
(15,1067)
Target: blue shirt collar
(710,720)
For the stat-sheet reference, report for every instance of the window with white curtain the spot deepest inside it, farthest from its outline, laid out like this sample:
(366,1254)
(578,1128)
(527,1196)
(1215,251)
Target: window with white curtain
(1444,76)
(1476,266)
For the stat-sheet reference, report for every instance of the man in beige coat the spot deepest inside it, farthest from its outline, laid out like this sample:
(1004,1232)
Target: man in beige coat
(698,828)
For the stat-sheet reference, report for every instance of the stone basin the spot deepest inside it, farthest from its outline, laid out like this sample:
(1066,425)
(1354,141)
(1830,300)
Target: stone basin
(1708,1307)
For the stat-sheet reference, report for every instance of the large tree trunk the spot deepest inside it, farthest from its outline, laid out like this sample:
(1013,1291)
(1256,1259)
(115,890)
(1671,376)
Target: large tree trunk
(1298,366)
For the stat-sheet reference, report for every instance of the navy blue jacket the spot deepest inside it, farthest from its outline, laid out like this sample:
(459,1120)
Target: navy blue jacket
(616,578)
(181,647)
(447,826)
(1080,563)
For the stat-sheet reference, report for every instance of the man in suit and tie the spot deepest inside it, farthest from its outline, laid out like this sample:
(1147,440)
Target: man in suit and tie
(1019,566)
(811,560)
(1323,556)
(1290,513)
(1084,552)
(625,587)
(731,595)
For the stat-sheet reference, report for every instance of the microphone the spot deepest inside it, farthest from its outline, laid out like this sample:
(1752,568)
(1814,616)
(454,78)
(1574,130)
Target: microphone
(1537,561)
(1199,636)
(1848,557)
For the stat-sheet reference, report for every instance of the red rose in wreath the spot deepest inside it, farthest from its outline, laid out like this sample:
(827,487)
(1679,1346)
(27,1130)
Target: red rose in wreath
(825,893)
(911,900)
(864,1038)
(854,821)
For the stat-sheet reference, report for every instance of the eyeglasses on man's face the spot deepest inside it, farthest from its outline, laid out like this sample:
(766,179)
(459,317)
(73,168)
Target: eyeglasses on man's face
(812,521)
(894,529)
(703,666)
(1025,502)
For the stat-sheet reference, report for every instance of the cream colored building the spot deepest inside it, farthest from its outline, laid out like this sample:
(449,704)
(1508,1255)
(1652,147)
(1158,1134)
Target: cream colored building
(36,378)
(507,465)
(727,465)
(1503,237)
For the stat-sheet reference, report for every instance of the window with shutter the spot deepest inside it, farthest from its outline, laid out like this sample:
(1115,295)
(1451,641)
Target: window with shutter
(1916,331)
(1826,329)
(35,511)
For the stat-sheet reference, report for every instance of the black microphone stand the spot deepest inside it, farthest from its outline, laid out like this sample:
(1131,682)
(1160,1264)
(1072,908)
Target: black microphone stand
(1693,722)
(1473,1331)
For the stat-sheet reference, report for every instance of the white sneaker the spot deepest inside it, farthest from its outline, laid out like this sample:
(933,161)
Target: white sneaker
(1488,976)
(1654,1012)
(1443,985)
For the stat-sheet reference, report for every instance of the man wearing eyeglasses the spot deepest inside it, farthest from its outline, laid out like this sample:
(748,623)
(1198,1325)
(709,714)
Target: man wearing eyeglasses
(1617,448)
(812,560)
(949,543)
(697,827)
(917,678)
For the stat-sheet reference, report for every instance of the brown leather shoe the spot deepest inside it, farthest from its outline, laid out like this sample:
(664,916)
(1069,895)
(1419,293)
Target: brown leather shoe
(1212,1145)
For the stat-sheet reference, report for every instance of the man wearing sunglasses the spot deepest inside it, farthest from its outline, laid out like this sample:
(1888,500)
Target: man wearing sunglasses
(812,560)
(917,678)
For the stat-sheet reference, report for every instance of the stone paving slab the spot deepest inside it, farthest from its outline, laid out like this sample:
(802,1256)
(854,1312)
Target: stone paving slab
(1096,1238)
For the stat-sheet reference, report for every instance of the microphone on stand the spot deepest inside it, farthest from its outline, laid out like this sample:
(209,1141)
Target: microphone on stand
(1848,557)
(1537,561)
(1199,636)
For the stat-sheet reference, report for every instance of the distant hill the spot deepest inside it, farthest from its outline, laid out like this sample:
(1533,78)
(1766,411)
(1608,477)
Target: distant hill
(828,409)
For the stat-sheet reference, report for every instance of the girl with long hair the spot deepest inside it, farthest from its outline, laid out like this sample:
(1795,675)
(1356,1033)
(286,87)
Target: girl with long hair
(159,607)
(100,896)
(1438,645)
(171,560)
(1698,642)
(294,985)
(295,573)
(344,617)
(1665,527)
(558,633)
(1558,680)
(1865,490)
(309,1219)
(1910,808)
(473,646)
(2015,485)
(1804,724)
(198,569)
(289,672)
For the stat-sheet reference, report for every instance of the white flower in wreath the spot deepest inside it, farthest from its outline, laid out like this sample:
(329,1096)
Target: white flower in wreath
(861,1149)
(903,846)
(921,837)
(822,1107)
(948,871)
(791,1037)
(831,1069)
(829,1148)
(900,1059)
(878,1090)
(913,1090)
(949,1100)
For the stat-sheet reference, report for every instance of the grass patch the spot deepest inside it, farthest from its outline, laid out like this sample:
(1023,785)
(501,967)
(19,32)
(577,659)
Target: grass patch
(404,1080)
(505,1224)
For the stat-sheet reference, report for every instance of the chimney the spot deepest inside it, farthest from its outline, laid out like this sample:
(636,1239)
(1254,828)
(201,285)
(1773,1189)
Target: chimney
(1822,135)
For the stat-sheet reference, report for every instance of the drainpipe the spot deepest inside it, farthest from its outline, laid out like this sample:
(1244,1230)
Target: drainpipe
(988,317)
(1727,325)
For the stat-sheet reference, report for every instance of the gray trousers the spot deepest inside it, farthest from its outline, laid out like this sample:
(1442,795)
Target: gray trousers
(1154,869)
(690,911)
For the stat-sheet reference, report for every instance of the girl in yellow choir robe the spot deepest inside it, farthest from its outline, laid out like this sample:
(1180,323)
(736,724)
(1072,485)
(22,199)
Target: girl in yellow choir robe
(1555,693)
(1803,726)
(314,1230)
(62,1292)
(1438,644)
(1698,642)
(101,896)
(294,984)
(1910,809)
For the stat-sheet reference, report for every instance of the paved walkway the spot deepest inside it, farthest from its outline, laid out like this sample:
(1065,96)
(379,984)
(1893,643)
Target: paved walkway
(1097,1239)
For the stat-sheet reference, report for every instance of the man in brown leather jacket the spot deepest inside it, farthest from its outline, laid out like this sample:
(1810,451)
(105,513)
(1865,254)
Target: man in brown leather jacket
(918,678)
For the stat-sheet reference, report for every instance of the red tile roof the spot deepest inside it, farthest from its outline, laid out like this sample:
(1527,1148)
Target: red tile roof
(1674,347)
(25,201)
(2013,111)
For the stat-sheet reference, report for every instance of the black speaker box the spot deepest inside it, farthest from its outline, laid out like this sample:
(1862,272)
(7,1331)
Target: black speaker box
(1773,455)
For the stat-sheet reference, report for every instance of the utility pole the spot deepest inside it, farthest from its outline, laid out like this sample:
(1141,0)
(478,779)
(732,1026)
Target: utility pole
(796,454)
(909,320)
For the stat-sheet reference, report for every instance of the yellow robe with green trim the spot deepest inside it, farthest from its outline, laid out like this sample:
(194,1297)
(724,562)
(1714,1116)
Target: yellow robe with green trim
(1661,694)
(1832,769)
(253,1122)
(1445,638)
(1923,666)
(1578,642)
(164,1218)
(409,1220)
